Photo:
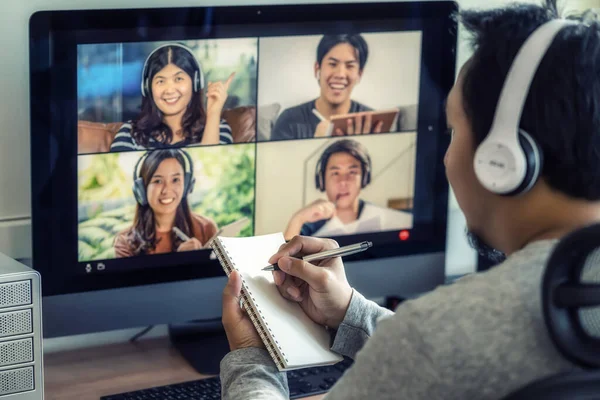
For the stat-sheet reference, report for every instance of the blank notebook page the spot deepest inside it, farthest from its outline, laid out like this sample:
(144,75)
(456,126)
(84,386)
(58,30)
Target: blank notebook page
(301,341)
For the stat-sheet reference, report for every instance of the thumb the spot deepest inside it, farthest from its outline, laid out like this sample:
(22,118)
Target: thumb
(231,293)
(316,277)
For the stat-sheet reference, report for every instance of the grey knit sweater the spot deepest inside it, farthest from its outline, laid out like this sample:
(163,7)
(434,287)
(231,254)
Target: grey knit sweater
(481,337)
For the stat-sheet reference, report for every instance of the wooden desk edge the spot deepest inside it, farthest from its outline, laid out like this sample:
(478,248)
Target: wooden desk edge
(88,374)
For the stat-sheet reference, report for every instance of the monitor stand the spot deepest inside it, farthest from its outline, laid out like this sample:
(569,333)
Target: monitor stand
(203,345)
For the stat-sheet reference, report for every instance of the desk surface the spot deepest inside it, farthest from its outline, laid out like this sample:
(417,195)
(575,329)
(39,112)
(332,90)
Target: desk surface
(90,373)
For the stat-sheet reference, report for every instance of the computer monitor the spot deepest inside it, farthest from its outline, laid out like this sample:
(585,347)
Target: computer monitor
(120,234)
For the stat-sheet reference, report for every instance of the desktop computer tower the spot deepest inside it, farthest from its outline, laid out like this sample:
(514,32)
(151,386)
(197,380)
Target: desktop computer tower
(21,363)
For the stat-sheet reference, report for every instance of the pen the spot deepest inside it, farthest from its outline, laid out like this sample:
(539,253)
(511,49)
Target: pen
(318,114)
(180,234)
(342,251)
(322,118)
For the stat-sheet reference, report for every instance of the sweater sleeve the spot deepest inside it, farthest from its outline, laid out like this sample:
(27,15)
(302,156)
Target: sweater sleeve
(358,325)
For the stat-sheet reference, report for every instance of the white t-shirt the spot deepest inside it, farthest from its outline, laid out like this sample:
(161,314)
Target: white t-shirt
(373,218)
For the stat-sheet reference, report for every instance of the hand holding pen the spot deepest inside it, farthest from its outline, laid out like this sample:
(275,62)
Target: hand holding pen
(324,127)
(320,287)
(339,252)
(188,243)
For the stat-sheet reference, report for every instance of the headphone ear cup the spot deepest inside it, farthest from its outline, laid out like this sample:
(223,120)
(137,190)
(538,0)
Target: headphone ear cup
(533,162)
(318,176)
(319,180)
(189,183)
(139,192)
(197,81)
(366,179)
(144,87)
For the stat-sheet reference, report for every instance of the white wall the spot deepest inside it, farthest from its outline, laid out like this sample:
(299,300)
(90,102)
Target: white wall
(390,77)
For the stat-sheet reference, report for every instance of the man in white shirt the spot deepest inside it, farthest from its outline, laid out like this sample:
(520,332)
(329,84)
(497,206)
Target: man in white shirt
(343,170)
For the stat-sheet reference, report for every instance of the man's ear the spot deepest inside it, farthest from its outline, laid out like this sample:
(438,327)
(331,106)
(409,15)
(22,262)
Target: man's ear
(317,71)
(360,73)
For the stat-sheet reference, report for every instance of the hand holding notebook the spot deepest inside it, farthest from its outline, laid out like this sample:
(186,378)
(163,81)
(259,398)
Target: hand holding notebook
(292,338)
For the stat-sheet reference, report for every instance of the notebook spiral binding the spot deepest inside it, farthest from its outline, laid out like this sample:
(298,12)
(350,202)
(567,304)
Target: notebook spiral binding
(257,319)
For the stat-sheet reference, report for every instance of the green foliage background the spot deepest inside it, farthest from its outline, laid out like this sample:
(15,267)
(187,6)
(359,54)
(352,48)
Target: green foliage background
(107,206)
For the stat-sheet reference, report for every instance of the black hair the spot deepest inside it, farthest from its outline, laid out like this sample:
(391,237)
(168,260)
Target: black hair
(357,41)
(142,237)
(150,121)
(348,146)
(562,110)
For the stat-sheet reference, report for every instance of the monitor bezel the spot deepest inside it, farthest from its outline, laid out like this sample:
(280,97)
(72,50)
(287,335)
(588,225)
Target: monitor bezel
(49,115)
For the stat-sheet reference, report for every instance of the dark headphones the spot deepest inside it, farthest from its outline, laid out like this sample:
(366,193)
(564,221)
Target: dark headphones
(352,147)
(198,78)
(139,189)
(571,296)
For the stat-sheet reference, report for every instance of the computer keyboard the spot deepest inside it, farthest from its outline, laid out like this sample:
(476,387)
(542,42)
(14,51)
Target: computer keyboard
(302,383)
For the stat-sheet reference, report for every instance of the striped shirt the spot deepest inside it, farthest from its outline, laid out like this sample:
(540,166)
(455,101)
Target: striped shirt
(123,140)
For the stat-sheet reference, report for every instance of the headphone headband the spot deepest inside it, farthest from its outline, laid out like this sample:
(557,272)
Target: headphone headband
(520,75)
(139,188)
(185,154)
(198,78)
(332,149)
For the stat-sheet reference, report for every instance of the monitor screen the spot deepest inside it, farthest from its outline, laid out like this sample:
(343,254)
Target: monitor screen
(154,131)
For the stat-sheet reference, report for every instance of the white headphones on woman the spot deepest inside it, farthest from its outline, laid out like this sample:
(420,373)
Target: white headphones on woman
(509,161)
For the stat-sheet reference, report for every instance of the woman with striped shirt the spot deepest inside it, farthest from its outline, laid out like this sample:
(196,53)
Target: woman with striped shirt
(173,113)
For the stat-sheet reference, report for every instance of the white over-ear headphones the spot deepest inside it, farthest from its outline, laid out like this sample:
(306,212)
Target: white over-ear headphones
(509,161)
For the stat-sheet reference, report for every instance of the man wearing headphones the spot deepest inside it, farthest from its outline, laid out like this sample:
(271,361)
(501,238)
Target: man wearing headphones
(338,68)
(524,163)
(343,170)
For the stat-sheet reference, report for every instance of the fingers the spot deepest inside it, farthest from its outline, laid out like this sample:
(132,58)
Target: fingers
(287,287)
(378,127)
(316,277)
(220,85)
(231,308)
(358,124)
(368,123)
(302,245)
(292,290)
(229,80)
(350,127)
(216,89)
(329,209)
(278,277)
(324,210)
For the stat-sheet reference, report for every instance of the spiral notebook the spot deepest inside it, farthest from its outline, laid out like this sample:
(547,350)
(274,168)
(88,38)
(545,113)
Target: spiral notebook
(292,339)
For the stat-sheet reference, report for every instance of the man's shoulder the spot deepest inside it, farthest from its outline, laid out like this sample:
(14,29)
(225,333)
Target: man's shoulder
(310,228)
(124,234)
(492,320)
(202,220)
(295,112)
(358,107)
